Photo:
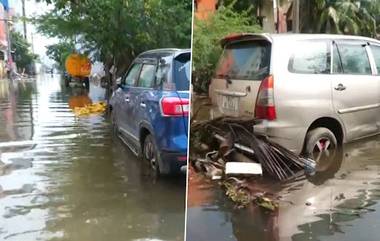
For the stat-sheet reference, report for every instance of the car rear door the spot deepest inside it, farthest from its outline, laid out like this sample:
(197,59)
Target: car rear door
(355,89)
(242,67)
(144,97)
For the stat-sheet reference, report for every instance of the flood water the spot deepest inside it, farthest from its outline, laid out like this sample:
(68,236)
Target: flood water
(341,202)
(68,178)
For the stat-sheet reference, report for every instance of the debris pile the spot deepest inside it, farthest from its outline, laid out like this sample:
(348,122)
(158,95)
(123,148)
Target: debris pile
(94,108)
(227,149)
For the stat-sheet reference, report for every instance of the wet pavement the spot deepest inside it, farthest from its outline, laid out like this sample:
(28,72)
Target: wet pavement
(339,203)
(69,178)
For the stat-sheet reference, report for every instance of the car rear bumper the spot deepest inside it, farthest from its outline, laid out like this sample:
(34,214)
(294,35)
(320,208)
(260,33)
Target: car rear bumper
(173,162)
(289,136)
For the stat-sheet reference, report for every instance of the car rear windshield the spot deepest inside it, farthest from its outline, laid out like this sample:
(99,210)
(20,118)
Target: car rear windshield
(248,60)
(181,72)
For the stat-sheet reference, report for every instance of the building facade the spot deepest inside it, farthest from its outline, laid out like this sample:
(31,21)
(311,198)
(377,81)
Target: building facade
(3,39)
(273,15)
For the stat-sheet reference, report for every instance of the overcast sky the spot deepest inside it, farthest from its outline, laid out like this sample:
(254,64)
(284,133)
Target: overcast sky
(39,41)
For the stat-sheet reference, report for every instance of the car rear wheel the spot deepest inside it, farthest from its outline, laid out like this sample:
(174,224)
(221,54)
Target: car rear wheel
(87,83)
(321,145)
(151,155)
(67,82)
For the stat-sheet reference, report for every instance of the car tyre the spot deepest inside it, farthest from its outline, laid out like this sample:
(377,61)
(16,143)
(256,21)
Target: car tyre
(67,82)
(151,156)
(320,145)
(87,83)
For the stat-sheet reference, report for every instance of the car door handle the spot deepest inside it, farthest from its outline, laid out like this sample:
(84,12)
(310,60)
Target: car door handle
(126,99)
(340,87)
(142,104)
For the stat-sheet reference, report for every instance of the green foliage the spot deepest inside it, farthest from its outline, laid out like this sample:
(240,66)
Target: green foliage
(119,29)
(341,17)
(22,55)
(206,41)
(59,52)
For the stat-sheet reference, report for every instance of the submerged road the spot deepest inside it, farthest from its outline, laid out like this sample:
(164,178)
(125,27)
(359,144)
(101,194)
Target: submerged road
(68,178)
(341,202)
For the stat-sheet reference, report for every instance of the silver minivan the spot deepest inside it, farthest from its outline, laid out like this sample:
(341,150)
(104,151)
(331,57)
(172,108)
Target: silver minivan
(310,92)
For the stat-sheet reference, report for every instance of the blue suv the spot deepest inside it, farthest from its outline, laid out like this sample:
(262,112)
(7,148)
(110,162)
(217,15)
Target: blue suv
(150,108)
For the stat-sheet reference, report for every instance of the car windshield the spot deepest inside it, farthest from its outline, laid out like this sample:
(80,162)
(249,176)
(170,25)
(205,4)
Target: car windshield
(248,60)
(181,72)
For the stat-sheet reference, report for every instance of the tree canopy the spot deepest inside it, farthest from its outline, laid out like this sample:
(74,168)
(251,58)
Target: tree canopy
(59,52)
(341,17)
(23,57)
(206,42)
(118,30)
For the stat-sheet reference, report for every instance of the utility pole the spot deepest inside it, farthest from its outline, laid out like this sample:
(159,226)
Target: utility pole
(276,15)
(296,16)
(32,38)
(24,16)
(9,49)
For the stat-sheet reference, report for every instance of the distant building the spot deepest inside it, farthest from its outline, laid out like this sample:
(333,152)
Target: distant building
(3,40)
(273,15)
(205,7)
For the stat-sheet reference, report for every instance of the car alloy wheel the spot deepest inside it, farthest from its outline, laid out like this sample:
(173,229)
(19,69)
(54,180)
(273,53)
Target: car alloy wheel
(323,149)
(150,154)
(321,145)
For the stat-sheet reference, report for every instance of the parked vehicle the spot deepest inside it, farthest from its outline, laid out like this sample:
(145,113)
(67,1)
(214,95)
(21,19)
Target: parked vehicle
(150,108)
(310,92)
(84,81)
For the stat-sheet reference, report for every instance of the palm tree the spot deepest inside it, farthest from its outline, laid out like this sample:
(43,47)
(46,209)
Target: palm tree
(341,16)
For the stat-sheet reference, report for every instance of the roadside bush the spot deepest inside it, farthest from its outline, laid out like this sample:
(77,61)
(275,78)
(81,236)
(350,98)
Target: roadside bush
(206,38)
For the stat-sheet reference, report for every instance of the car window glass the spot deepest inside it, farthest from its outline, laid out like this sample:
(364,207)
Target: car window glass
(376,55)
(310,58)
(181,72)
(354,59)
(337,64)
(248,60)
(162,71)
(147,75)
(132,75)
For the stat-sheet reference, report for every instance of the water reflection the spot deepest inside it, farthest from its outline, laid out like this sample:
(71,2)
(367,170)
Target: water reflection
(68,178)
(337,203)
(79,98)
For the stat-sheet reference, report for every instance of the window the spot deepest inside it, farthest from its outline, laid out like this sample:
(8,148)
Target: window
(310,58)
(147,75)
(132,75)
(181,69)
(337,64)
(162,71)
(354,59)
(248,60)
(376,55)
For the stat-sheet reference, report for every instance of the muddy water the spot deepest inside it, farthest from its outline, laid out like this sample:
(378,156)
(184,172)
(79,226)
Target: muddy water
(340,203)
(68,178)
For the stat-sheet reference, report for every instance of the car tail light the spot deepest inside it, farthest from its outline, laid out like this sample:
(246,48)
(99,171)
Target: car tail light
(182,158)
(174,106)
(265,107)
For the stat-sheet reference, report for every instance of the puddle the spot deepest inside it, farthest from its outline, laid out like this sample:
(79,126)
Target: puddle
(340,202)
(68,178)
